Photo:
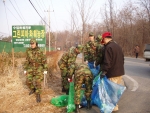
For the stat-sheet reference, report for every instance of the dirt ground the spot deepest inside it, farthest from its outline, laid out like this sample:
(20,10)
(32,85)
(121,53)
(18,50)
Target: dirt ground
(14,94)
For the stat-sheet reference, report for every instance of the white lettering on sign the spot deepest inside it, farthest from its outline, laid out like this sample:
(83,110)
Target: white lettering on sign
(18,42)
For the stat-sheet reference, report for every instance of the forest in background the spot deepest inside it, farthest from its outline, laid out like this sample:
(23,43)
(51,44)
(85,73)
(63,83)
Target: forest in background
(130,25)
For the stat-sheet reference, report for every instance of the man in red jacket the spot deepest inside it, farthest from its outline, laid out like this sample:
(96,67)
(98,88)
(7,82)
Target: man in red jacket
(113,63)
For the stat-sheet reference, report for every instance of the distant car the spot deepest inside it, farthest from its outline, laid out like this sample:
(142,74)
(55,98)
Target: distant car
(147,52)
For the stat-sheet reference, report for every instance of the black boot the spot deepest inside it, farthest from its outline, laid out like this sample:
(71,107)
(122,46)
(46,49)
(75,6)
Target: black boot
(77,109)
(67,92)
(89,104)
(63,89)
(32,91)
(38,98)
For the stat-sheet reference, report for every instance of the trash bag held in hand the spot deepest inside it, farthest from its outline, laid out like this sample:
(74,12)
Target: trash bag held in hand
(71,104)
(106,94)
(95,70)
(60,101)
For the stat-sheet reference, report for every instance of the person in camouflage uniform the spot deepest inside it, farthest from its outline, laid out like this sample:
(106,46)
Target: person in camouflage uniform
(82,75)
(34,67)
(99,47)
(65,65)
(90,51)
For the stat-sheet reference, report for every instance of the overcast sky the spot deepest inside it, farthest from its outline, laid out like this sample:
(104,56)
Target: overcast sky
(21,12)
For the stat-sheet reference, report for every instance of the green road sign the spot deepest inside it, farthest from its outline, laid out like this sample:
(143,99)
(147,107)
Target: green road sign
(21,35)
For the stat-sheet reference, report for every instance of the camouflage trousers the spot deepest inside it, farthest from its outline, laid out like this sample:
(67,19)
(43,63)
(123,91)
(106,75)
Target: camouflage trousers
(79,80)
(34,79)
(64,78)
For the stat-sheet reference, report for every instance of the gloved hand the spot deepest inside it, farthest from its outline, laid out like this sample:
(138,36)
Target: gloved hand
(45,72)
(96,63)
(86,62)
(25,72)
(103,75)
(69,80)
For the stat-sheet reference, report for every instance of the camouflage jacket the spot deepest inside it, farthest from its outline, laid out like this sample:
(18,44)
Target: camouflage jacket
(35,58)
(68,59)
(98,53)
(82,69)
(89,51)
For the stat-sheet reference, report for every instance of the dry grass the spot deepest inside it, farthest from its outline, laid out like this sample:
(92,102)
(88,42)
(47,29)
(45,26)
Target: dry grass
(5,62)
(14,96)
(52,59)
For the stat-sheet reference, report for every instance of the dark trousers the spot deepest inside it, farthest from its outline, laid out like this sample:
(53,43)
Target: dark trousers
(137,55)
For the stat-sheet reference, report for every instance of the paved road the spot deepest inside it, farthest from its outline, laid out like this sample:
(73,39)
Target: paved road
(136,99)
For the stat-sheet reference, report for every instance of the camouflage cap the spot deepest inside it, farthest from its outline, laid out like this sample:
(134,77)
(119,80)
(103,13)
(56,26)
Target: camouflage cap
(80,48)
(33,40)
(91,34)
(99,38)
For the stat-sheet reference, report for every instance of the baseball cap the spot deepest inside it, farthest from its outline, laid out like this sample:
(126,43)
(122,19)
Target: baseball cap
(80,48)
(91,34)
(33,40)
(104,35)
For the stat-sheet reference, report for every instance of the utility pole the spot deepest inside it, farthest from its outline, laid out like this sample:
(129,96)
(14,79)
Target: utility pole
(55,41)
(49,28)
(1,37)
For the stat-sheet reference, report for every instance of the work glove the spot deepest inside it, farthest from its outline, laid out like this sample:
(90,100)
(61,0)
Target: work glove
(85,62)
(45,72)
(69,80)
(25,72)
(103,75)
(96,64)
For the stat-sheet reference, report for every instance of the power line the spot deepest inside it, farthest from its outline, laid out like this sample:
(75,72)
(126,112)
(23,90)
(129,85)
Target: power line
(12,13)
(54,15)
(6,17)
(43,3)
(37,12)
(4,33)
(17,12)
(20,11)
(39,6)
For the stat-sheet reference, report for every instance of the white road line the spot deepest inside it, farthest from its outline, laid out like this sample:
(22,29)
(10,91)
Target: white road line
(136,63)
(135,58)
(135,83)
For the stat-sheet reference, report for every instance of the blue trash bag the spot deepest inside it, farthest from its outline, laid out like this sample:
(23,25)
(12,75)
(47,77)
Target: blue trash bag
(91,65)
(106,94)
(95,70)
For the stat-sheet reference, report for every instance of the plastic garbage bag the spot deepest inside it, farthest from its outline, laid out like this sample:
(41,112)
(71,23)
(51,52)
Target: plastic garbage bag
(91,65)
(71,104)
(60,101)
(106,94)
(95,70)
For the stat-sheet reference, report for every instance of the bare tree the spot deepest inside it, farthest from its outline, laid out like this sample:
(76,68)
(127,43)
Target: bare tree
(129,25)
(109,16)
(85,14)
(146,6)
